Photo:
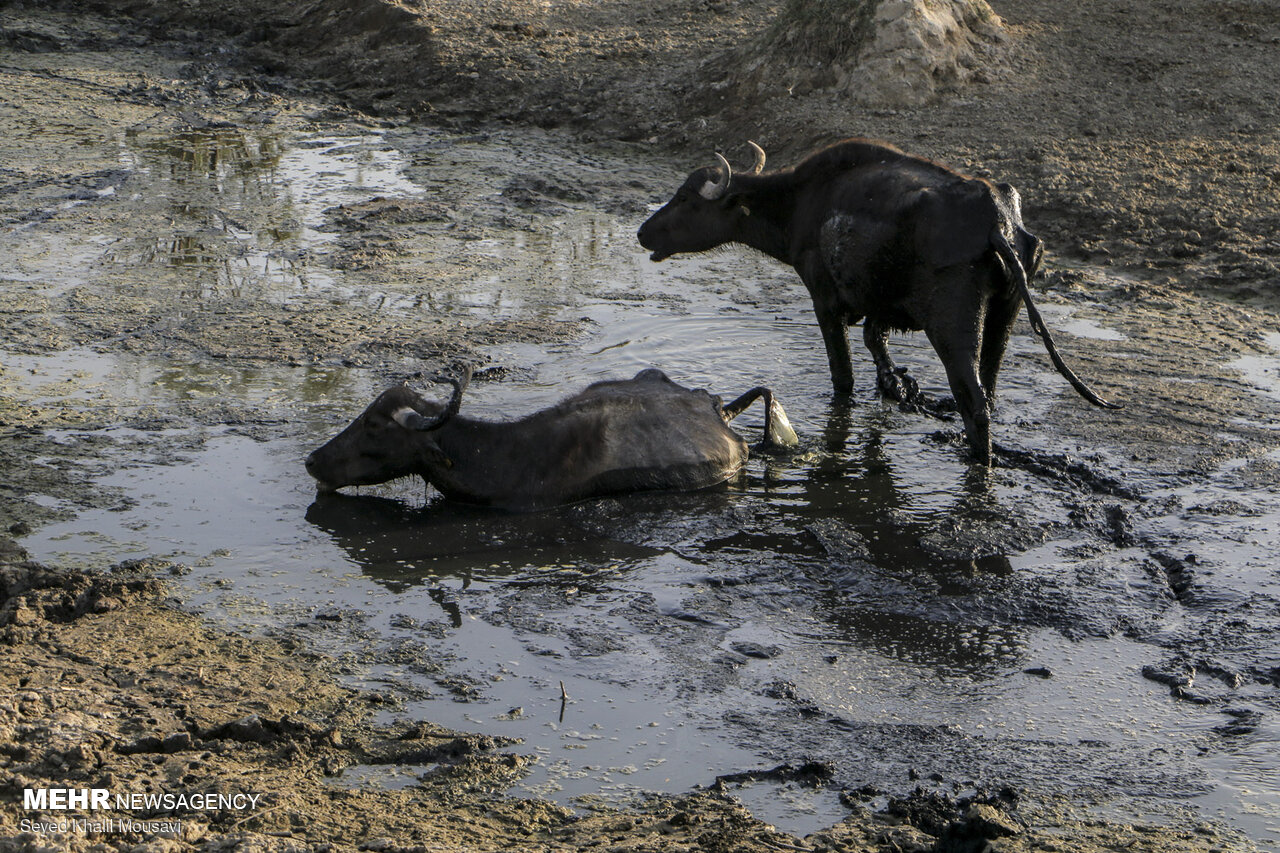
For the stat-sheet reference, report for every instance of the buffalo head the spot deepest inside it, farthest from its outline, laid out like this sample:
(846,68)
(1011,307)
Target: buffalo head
(704,213)
(391,439)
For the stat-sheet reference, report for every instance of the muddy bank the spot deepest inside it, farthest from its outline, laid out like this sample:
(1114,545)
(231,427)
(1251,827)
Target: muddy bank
(1142,135)
(109,687)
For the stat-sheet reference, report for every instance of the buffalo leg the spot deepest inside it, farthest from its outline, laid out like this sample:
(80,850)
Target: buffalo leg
(1002,313)
(892,381)
(738,406)
(835,334)
(833,319)
(957,338)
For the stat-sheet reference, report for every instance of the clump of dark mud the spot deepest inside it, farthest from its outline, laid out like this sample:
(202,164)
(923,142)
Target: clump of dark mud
(32,597)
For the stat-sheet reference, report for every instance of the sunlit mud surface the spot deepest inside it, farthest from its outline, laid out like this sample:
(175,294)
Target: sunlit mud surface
(1098,615)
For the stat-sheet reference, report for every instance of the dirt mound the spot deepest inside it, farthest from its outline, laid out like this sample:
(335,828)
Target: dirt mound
(882,52)
(373,51)
(378,43)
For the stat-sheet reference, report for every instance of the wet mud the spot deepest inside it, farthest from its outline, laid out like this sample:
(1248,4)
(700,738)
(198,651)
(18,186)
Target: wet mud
(862,644)
(91,706)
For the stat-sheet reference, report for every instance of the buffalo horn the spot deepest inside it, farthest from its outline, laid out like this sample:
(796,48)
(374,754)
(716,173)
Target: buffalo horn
(713,190)
(759,164)
(422,423)
(409,419)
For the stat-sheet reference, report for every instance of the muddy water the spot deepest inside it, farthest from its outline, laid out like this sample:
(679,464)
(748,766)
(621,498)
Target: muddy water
(868,601)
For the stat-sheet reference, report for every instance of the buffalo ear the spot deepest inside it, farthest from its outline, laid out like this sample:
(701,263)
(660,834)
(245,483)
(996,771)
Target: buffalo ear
(732,200)
(432,457)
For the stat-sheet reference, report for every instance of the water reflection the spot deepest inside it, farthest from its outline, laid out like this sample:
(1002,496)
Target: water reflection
(120,383)
(875,580)
(850,499)
(947,647)
(399,545)
(246,208)
(215,154)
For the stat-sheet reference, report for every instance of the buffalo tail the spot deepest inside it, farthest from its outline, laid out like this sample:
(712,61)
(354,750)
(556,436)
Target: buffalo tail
(1018,275)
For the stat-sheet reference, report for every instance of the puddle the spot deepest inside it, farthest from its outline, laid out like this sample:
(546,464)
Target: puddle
(1063,318)
(220,175)
(1262,371)
(391,776)
(866,601)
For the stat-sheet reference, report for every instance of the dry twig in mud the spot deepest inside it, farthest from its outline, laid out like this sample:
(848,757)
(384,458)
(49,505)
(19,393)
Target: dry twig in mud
(262,813)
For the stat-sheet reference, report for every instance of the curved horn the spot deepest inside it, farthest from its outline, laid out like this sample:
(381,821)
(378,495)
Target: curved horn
(413,420)
(759,152)
(713,190)
(409,419)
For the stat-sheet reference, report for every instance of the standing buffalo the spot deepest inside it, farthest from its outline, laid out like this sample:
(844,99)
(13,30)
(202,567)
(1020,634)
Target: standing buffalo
(877,233)
(635,435)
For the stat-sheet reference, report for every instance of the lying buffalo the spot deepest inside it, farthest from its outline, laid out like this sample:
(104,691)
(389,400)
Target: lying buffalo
(618,436)
(879,234)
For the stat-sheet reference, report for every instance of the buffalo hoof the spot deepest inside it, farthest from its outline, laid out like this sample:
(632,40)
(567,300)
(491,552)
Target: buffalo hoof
(896,384)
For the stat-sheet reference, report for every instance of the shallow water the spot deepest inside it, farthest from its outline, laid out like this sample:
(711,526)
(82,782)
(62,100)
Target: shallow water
(1263,371)
(867,600)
